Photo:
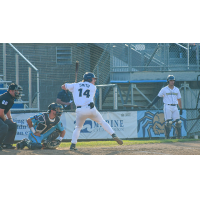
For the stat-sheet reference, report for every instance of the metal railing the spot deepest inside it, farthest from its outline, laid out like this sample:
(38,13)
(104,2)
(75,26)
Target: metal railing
(100,95)
(156,57)
(29,78)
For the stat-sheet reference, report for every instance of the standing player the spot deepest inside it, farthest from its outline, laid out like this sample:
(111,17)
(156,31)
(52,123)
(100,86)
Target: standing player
(44,126)
(171,98)
(83,94)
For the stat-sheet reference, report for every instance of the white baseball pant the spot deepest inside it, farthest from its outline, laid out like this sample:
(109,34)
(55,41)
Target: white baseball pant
(82,114)
(171,112)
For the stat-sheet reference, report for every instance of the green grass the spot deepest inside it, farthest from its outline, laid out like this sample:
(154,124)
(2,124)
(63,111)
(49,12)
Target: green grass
(93,144)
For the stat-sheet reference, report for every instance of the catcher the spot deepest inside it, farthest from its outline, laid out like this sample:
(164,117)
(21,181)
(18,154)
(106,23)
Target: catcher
(44,127)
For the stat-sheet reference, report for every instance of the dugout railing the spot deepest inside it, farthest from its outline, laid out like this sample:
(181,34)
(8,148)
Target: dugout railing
(28,79)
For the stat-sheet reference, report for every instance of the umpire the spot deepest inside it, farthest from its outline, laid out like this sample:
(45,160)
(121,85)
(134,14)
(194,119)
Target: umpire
(8,128)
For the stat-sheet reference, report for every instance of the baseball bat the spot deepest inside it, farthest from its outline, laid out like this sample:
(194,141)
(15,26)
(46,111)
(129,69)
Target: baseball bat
(76,71)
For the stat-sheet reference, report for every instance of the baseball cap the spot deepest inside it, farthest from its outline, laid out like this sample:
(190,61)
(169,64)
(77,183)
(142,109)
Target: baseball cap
(12,86)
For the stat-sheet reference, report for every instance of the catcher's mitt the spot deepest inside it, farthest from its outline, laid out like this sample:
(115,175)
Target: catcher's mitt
(53,144)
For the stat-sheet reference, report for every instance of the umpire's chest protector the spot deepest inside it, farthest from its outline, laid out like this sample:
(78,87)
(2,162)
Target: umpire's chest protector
(45,124)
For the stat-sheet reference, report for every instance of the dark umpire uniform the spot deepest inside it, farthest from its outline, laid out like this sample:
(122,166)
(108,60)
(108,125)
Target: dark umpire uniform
(64,97)
(8,128)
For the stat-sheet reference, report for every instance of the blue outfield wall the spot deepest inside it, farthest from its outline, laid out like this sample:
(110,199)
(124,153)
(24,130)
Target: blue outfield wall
(126,124)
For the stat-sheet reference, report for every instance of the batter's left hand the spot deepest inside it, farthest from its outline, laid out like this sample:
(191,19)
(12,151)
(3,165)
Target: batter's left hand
(181,111)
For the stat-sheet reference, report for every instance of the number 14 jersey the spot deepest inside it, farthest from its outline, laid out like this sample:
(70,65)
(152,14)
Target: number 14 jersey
(83,92)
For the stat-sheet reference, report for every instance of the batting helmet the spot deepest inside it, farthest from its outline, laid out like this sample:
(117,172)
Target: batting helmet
(88,76)
(57,107)
(170,78)
(18,90)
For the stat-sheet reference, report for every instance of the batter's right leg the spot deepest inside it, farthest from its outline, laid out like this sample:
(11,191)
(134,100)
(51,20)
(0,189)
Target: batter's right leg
(80,120)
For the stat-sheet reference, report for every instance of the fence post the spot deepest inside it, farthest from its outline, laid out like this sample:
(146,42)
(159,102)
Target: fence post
(168,55)
(115,97)
(29,87)
(17,68)
(38,91)
(132,94)
(184,94)
(4,64)
(188,55)
(197,55)
(100,98)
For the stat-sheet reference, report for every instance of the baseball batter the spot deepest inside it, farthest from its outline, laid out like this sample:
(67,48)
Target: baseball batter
(171,98)
(83,94)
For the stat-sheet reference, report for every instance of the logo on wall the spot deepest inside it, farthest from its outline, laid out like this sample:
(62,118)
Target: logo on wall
(90,126)
(153,123)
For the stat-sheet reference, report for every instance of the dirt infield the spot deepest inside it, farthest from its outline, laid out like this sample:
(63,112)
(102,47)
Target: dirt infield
(177,148)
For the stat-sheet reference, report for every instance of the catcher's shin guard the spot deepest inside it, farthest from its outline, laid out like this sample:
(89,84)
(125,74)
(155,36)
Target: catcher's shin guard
(73,147)
(114,136)
(50,142)
(178,128)
(52,145)
(168,127)
(34,146)
(22,144)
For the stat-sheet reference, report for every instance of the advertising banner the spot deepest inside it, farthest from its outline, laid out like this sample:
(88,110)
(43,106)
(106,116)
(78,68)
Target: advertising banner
(151,124)
(124,125)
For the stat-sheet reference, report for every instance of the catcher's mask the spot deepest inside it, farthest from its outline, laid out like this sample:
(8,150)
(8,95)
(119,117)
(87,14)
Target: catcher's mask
(17,88)
(56,107)
(170,78)
(88,76)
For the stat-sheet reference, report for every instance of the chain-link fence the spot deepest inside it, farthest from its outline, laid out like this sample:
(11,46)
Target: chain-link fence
(56,64)
(155,56)
(193,122)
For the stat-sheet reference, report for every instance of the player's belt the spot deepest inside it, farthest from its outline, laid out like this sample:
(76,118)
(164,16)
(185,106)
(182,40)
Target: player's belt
(91,105)
(172,104)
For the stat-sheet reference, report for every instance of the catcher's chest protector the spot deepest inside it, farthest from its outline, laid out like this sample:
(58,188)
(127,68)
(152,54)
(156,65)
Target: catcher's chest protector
(45,124)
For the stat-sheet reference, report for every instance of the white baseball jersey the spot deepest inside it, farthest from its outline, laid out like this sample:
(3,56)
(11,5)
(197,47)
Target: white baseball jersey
(83,92)
(170,96)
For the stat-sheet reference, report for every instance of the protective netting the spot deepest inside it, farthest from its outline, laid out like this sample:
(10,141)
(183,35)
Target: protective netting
(56,64)
(193,123)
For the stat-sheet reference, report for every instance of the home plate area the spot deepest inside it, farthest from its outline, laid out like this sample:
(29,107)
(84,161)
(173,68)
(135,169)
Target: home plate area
(178,148)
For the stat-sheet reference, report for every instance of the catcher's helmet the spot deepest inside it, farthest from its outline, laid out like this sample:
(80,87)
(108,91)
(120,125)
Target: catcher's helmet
(88,76)
(170,78)
(18,90)
(57,107)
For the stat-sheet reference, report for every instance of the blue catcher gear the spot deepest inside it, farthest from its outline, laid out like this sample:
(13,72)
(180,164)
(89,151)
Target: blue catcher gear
(170,78)
(57,107)
(88,76)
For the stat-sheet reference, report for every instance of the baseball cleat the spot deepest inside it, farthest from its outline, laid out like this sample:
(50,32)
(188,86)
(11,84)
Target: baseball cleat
(73,147)
(114,136)
(7,146)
